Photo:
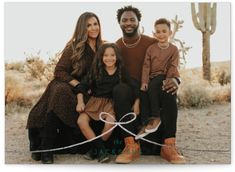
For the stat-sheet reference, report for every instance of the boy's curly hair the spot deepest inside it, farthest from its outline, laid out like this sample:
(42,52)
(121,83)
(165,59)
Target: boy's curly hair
(128,8)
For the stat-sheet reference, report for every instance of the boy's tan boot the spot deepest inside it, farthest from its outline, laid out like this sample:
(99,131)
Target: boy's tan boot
(130,153)
(170,153)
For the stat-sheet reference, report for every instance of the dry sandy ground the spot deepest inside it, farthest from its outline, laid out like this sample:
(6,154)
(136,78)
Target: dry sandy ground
(201,132)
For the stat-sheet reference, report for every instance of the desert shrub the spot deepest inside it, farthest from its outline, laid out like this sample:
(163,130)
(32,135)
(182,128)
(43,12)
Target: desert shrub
(194,95)
(50,66)
(35,68)
(221,73)
(222,77)
(18,66)
(23,89)
(14,92)
(221,93)
(21,94)
(196,92)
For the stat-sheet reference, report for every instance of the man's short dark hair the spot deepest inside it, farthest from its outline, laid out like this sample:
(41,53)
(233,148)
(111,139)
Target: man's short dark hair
(128,8)
(163,21)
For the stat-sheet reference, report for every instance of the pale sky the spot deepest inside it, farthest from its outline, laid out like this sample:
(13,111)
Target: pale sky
(30,27)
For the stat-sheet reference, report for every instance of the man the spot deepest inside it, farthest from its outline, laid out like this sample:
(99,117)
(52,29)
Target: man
(133,46)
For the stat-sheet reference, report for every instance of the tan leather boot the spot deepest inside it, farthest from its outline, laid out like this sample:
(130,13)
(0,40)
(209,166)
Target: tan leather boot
(130,153)
(170,152)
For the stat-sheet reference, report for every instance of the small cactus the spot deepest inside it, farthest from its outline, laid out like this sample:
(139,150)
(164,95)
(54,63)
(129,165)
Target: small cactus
(183,50)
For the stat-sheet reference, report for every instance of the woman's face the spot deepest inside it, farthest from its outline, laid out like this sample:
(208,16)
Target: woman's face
(109,57)
(93,28)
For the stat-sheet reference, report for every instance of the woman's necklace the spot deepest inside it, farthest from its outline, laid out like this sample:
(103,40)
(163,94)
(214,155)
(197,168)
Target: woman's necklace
(131,45)
(163,48)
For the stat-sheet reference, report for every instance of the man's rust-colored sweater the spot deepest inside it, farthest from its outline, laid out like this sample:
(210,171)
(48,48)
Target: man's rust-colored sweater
(133,58)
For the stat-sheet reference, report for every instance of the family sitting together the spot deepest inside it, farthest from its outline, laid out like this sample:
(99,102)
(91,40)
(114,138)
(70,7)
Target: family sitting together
(136,74)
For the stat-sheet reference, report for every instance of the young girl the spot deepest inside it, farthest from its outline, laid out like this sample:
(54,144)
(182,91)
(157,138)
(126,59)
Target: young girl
(106,72)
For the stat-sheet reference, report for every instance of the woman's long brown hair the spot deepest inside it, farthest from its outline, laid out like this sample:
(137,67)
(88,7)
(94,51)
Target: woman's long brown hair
(78,41)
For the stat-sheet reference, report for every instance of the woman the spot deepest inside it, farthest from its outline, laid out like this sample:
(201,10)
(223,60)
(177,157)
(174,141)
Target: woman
(57,106)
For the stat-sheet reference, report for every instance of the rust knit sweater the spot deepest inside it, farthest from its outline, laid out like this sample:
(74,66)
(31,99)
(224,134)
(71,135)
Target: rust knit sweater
(133,58)
(160,61)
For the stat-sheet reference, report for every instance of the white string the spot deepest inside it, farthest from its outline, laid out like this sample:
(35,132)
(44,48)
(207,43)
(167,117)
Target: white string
(76,144)
(115,123)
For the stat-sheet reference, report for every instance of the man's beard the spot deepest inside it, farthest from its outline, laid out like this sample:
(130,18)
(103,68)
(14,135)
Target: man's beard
(131,34)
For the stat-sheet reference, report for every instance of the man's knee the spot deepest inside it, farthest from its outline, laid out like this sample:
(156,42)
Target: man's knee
(122,90)
(169,95)
(169,100)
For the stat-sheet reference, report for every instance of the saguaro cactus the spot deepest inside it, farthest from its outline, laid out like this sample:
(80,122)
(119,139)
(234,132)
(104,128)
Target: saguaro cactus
(205,21)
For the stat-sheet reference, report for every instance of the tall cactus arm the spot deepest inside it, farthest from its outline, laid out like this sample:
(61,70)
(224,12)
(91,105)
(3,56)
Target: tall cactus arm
(194,17)
(213,18)
(201,16)
(208,16)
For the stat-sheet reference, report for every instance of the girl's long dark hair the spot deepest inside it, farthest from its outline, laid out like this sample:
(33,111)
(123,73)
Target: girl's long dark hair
(98,66)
